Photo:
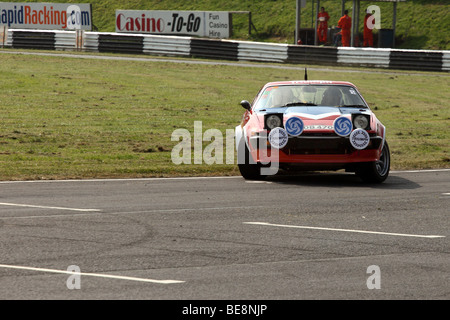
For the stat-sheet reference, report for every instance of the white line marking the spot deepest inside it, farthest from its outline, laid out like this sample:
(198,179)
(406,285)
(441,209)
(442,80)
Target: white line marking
(421,171)
(124,180)
(98,275)
(46,207)
(345,230)
(256,181)
(99,212)
(180,178)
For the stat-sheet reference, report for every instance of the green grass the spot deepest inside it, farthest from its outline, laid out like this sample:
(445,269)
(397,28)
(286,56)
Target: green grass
(83,118)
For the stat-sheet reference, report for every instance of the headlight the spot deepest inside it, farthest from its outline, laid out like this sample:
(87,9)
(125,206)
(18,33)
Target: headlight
(361,122)
(273,121)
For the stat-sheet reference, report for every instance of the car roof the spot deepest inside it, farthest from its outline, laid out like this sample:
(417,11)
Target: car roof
(308,82)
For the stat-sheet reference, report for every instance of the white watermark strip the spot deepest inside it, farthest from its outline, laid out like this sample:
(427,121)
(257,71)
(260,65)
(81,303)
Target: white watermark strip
(98,275)
(345,230)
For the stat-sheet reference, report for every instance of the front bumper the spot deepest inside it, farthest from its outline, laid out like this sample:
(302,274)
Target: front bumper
(313,148)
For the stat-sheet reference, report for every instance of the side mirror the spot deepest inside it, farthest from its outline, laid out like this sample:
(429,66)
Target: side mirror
(246,105)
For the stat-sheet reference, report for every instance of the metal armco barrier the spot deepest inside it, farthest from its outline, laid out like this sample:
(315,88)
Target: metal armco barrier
(366,57)
(423,60)
(256,51)
(167,46)
(446,61)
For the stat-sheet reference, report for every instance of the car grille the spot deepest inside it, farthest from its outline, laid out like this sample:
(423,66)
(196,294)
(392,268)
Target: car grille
(323,143)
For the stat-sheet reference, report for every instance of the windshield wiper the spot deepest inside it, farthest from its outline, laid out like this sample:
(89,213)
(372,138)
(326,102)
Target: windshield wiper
(294,104)
(353,106)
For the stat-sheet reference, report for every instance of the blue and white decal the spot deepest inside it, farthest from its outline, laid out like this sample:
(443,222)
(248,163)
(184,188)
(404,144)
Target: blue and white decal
(343,126)
(294,126)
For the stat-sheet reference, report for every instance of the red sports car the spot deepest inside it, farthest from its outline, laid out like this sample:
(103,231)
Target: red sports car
(311,125)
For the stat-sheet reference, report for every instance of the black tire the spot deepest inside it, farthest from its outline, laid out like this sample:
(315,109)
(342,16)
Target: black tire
(378,171)
(248,169)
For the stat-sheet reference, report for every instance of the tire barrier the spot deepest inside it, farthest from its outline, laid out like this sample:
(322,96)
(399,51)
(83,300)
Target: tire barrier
(33,40)
(422,60)
(416,60)
(120,43)
(214,49)
(313,55)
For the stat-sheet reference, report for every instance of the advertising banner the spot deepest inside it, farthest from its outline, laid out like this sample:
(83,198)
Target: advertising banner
(212,24)
(48,16)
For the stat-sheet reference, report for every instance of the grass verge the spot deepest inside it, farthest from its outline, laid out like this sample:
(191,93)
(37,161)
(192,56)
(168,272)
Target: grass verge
(65,117)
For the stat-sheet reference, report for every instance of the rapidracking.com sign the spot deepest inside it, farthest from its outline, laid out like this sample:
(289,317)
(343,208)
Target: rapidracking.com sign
(49,16)
(212,24)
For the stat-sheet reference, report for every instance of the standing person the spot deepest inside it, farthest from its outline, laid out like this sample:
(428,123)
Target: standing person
(369,22)
(322,29)
(345,23)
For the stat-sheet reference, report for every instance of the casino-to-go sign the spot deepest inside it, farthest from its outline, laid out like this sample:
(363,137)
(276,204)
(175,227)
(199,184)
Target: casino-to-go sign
(50,16)
(212,24)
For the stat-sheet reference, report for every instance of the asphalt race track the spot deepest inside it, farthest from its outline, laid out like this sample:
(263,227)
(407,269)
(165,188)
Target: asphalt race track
(312,236)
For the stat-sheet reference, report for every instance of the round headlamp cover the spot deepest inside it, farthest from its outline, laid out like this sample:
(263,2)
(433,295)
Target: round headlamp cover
(273,121)
(360,122)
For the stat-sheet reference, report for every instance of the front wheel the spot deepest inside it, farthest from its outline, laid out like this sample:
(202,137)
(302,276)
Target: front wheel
(248,169)
(377,171)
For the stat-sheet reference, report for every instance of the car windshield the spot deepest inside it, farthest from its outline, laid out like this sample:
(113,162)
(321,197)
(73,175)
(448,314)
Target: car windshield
(309,95)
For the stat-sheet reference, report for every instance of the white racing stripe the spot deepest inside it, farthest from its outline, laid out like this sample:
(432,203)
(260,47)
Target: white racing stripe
(98,275)
(46,207)
(344,230)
